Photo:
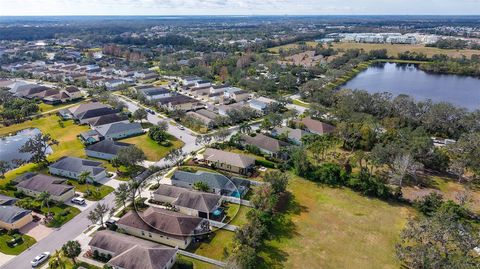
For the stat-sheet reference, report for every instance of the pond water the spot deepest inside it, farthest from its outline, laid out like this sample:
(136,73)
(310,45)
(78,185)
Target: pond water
(10,146)
(408,79)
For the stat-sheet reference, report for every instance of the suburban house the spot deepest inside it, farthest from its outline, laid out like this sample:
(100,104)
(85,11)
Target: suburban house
(229,161)
(106,149)
(261,103)
(87,112)
(129,252)
(218,183)
(189,202)
(266,144)
(90,137)
(199,91)
(33,184)
(118,130)
(14,217)
(163,226)
(236,94)
(293,135)
(190,80)
(114,84)
(72,167)
(107,119)
(152,94)
(7,200)
(92,114)
(315,126)
(207,121)
(180,102)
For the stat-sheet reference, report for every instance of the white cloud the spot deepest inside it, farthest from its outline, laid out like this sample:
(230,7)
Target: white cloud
(231,7)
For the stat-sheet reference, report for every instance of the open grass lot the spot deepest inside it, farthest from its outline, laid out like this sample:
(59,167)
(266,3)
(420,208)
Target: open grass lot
(395,49)
(214,248)
(335,228)
(67,136)
(98,192)
(5,249)
(152,149)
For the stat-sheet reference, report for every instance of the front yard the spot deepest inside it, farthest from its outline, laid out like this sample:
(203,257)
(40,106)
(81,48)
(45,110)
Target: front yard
(92,192)
(19,248)
(152,149)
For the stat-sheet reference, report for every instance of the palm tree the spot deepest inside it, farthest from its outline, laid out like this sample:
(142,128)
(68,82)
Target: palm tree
(245,128)
(45,199)
(122,195)
(84,177)
(56,261)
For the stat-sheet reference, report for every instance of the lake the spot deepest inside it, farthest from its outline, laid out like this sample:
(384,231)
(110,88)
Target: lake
(10,146)
(409,79)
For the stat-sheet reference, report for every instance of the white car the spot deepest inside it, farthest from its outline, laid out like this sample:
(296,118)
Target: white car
(181,127)
(78,201)
(40,259)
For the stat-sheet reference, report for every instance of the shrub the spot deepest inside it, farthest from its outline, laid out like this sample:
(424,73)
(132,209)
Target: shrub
(183,264)
(265,163)
(330,174)
(429,204)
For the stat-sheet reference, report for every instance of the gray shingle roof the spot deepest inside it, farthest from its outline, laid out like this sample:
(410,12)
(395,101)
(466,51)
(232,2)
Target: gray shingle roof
(118,127)
(108,146)
(7,200)
(78,165)
(107,119)
(201,201)
(41,183)
(213,180)
(238,160)
(11,214)
(295,134)
(76,110)
(92,113)
(264,142)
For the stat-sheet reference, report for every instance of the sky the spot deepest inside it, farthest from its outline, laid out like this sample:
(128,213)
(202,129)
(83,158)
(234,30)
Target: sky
(238,7)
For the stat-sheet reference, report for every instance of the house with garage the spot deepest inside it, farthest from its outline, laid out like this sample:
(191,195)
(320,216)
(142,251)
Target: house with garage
(314,126)
(72,167)
(163,226)
(13,217)
(188,201)
(106,149)
(32,184)
(229,161)
(119,130)
(190,80)
(293,135)
(217,183)
(261,103)
(114,84)
(155,93)
(128,252)
(108,119)
(237,94)
(266,144)
(178,102)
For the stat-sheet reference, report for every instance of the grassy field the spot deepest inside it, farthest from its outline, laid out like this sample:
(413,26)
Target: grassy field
(335,228)
(5,249)
(237,214)
(152,149)
(46,107)
(97,191)
(214,248)
(67,136)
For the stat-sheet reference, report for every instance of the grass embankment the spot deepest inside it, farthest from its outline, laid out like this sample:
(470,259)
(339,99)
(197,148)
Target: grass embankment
(152,149)
(335,228)
(5,249)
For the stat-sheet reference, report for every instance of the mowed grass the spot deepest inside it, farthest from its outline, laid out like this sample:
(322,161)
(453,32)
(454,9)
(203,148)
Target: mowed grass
(152,149)
(236,214)
(214,248)
(5,249)
(98,192)
(336,228)
(67,136)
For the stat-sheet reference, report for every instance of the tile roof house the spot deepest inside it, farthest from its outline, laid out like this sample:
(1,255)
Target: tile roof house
(189,202)
(32,184)
(13,217)
(265,143)
(72,167)
(218,183)
(163,226)
(224,160)
(129,252)
(294,135)
(315,126)
(106,149)
(118,130)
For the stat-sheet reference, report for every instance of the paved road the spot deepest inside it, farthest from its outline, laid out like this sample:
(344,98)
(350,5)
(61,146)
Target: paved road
(55,240)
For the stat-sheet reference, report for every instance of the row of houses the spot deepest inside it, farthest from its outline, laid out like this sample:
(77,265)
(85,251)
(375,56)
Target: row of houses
(46,94)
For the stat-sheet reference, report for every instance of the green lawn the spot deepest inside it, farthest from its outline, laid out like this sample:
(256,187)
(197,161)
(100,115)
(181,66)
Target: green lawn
(70,265)
(300,103)
(67,136)
(58,210)
(152,149)
(237,213)
(214,248)
(98,192)
(335,228)
(46,107)
(5,249)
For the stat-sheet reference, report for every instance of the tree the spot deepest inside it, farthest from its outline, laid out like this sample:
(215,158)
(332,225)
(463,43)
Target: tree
(56,261)
(38,147)
(277,180)
(175,156)
(122,195)
(99,213)
(465,154)
(441,241)
(201,186)
(221,134)
(158,132)
(4,166)
(203,140)
(140,114)
(85,176)
(131,156)
(72,249)
(245,128)
(45,200)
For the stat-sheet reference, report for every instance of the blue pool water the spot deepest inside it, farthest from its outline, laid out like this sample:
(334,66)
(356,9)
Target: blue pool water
(235,194)
(217,212)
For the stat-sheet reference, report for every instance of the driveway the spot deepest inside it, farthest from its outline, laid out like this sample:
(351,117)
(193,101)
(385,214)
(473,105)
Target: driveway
(36,230)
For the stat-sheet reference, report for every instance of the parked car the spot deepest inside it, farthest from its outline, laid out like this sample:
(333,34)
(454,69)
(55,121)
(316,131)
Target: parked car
(181,127)
(40,259)
(110,223)
(78,201)
(150,111)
